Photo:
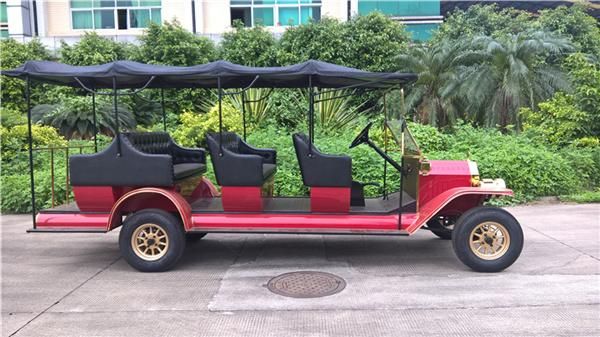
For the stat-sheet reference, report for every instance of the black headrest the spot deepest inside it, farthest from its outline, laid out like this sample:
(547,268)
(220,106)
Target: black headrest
(150,142)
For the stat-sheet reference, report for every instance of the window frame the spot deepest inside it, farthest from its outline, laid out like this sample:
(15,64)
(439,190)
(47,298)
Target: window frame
(276,5)
(115,8)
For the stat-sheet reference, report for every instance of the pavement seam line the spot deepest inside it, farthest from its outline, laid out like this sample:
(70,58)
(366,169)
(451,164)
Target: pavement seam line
(65,296)
(562,243)
(550,305)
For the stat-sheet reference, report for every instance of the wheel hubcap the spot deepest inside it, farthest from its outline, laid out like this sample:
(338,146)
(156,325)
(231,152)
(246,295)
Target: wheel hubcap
(489,240)
(150,242)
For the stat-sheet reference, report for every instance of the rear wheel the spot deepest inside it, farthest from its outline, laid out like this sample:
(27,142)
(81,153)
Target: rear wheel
(152,240)
(487,239)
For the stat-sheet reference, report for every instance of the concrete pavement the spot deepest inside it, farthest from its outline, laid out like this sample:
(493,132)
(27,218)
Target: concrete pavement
(76,285)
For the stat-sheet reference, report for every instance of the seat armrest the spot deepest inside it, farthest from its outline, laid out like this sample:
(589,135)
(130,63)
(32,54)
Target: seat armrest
(269,155)
(186,155)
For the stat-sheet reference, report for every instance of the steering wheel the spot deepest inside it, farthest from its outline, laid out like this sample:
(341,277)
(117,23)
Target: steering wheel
(362,137)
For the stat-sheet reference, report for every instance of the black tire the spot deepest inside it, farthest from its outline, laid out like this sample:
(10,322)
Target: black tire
(194,237)
(467,224)
(442,231)
(170,225)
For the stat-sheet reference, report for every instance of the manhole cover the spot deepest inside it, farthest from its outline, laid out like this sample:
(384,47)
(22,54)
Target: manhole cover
(306,284)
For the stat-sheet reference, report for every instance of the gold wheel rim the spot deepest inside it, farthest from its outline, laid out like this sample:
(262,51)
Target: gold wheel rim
(150,242)
(489,240)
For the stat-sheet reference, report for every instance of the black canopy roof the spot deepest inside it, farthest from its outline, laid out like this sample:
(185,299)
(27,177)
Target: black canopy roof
(133,75)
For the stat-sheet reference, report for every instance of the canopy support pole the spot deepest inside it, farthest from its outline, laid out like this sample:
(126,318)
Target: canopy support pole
(385,147)
(311,115)
(244,112)
(162,106)
(402,127)
(95,122)
(30,141)
(220,116)
(116,111)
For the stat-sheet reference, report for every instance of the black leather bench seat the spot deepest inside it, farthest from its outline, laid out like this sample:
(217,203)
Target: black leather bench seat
(238,164)
(183,171)
(145,159)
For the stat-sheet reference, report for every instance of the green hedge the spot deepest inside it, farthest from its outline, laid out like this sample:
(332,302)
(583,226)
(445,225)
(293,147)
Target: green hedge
(530,169)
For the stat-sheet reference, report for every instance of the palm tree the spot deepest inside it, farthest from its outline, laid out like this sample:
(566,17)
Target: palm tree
(512,74)
(435,97)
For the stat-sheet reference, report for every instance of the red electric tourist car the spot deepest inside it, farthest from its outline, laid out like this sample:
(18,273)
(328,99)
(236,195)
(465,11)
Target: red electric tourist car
(157,193)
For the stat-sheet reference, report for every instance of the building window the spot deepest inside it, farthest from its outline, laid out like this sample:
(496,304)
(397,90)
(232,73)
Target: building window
(111,14)
(275,12)
(3,20)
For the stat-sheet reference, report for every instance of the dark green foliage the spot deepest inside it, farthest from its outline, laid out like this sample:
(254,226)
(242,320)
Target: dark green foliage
(486,20)
(569,118)
(93,49)
(249,46)
(73,116)
(574,23)
(530,169)
(373,41)
(325,40)
(365,42)
(171,44)
(288,109)
(435,98)
(13,54)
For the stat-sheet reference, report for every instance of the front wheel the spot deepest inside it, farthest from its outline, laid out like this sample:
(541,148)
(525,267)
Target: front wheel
(152,240)
(487,239)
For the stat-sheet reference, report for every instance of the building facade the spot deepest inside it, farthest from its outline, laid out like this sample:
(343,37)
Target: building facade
(127,18)
(55,20)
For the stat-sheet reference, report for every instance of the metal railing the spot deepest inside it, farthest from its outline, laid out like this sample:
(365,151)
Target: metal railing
(53,151)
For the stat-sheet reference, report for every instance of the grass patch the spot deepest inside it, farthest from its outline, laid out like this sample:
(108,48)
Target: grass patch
(583,197)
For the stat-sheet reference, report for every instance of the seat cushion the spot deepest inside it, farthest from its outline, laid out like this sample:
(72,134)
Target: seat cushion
(269,170)
(182,171)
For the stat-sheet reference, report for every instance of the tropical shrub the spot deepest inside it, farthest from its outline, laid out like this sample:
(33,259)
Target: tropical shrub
(288,108)
(11,117)
(511,75)
(249,46)
(573,22)
(373,41)
(478,20)
(195,126)
(530,169)
(325,40)
(73,116)
(257,104)
(92,49)
(335,109)
(13,54)
(558,121)
(172,44)
(435,97)
(15,139)
(16,195)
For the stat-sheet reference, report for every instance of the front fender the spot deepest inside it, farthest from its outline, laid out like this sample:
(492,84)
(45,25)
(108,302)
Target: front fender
(435,205)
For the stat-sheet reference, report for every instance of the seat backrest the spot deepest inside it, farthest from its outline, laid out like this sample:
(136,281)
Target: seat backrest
(150,142)
(319,169)
(231,141)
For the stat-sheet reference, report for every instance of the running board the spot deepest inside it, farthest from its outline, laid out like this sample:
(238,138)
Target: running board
(297,231)
(66,230)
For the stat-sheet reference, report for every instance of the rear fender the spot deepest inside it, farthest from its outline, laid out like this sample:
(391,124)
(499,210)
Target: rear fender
(150,197)
(455,201)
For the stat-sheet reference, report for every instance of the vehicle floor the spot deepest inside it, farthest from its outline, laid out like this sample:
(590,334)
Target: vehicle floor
(377,205)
